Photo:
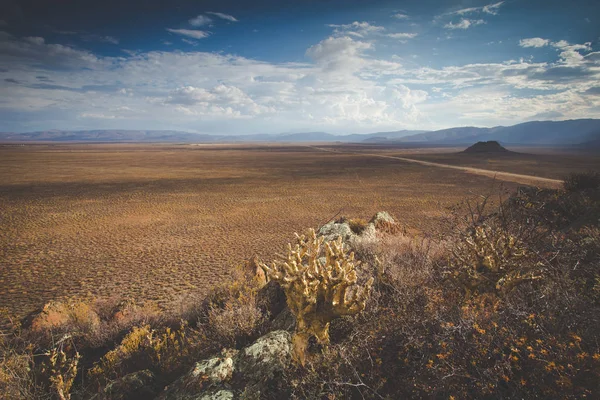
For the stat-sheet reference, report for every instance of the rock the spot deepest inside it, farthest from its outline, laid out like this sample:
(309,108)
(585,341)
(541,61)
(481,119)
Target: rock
(207,374)
(235,375)
(137,385)
(218,395)
(266,357)
(382,216)
(333,230)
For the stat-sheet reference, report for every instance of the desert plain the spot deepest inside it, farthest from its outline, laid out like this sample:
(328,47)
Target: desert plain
(164,222)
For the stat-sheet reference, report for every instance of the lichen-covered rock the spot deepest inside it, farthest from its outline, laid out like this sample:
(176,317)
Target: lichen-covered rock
(333,230)
(213,373)
(218,395)
(266,357)
(236,375)
(137,385)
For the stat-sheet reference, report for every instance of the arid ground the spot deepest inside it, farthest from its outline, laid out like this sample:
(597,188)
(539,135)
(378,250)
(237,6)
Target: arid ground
(161,222)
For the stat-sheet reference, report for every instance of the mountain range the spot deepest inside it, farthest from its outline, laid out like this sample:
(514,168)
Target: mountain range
(582,132)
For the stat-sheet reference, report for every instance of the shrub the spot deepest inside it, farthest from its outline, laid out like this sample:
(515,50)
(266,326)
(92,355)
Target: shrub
(578,182)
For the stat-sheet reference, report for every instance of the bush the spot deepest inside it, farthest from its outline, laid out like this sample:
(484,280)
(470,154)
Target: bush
(578,182)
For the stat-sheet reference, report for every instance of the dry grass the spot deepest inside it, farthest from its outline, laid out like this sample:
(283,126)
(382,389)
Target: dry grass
(162,222)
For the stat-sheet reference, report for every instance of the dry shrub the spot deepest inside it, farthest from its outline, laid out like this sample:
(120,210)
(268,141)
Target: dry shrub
(391,228)
(17,379)
(92,323)
(578,182)
(165,351)
(75,317)
(236,320)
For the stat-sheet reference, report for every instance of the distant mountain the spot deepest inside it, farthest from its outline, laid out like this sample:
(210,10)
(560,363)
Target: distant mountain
(534,133)
(108,136)
(571,132)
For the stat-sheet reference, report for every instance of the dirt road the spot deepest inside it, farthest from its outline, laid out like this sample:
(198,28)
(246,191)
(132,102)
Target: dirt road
(505,176)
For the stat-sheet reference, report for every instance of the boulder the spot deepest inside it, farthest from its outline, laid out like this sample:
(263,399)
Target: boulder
(235,375)
(213,373)
(333,230)
(382,216)
(266,357)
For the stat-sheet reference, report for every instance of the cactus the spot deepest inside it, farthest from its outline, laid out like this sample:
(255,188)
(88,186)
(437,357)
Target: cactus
(318,289)
(492,260)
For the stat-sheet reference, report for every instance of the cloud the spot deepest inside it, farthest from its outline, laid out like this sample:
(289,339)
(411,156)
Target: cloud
(343,86)
(400,16)
(464,24)
(357,29)
(200,20)
(488,9)
(534,42)
(3,23)
(492,8)
(193,33)
(402,35)
(338,54)
(223,16)
(34,51)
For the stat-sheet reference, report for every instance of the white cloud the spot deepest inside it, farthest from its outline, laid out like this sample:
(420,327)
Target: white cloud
(488,9)
(200,20)
(193,33)
(492,8)
(223,16)
(464,24)
(400,16)
(402,35)
(534,42)
(357,29)
(338,54)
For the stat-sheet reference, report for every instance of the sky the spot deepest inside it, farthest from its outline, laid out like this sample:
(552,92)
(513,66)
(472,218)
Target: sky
(263,66)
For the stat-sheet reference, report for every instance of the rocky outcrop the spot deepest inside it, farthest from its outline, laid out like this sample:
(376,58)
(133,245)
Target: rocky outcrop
(243,374)
(335,229)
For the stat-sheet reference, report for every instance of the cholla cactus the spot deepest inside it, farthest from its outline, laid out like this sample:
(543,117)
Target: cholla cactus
(318,289)
(490,259)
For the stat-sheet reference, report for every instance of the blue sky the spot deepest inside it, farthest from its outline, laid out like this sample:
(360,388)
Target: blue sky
(235,67)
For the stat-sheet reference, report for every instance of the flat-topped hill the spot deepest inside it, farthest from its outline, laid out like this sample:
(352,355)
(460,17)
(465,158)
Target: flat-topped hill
(491,146)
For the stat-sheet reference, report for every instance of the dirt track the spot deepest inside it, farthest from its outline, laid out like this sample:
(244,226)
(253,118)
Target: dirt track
(505,176)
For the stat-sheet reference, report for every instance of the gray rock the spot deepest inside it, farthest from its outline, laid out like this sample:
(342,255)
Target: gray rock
(242,375)
(213,373)
(265,357)
(218,395)
(334,230)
